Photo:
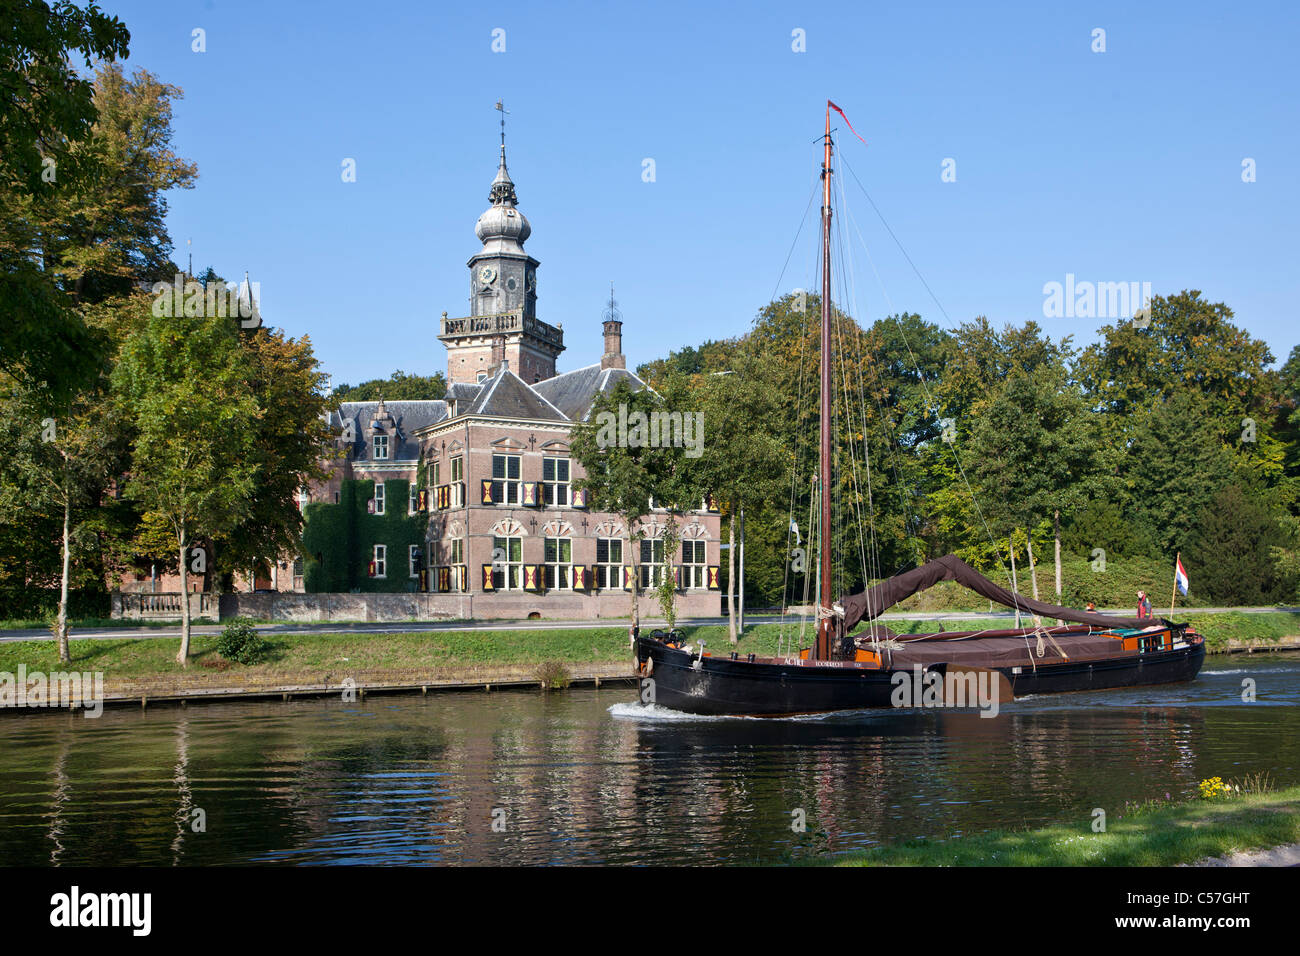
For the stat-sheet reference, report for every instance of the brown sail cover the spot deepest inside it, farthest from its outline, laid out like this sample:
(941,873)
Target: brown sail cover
(886,594)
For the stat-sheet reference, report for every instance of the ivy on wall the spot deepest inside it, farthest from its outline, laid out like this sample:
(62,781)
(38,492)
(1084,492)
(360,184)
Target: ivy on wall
(338,539)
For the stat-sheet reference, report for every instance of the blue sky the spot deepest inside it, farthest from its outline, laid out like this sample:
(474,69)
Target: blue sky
(1122,166)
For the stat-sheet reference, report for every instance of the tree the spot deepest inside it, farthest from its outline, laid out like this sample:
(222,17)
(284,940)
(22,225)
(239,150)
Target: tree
(1174,465)
(183,383)
(742,462)
(105,238)
(1189,345)
(710,357)
(1034,454)
(62,465)
(624,470)
(46,111)
(397,387)
(287,444)
(1230,552)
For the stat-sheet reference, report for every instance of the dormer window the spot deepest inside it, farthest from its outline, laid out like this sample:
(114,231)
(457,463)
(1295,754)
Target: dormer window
(381,447)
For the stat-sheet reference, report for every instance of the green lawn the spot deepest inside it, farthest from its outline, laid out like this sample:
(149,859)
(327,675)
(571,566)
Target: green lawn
(310,657)
(1153,835)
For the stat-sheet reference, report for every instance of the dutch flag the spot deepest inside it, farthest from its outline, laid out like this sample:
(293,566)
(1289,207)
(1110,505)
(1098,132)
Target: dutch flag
(1180,575)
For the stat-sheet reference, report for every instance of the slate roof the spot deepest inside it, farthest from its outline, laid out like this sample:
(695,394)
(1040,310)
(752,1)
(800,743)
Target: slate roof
(564,398)
(506,395)
(407,417)
(463,391)
(574,392)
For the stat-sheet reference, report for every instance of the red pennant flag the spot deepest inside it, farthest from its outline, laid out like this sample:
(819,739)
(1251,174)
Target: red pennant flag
(846,120)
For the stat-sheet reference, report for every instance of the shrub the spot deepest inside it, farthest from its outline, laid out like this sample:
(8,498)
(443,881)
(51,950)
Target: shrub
(240,642)
(553,675)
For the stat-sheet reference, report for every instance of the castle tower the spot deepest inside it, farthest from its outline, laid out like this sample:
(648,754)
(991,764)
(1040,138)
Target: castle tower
(502,296)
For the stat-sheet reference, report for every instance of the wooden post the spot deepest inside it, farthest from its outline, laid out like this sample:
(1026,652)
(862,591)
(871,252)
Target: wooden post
(1173,592)
(1011,545)
(1056,528)
(1033,571)
(741,561)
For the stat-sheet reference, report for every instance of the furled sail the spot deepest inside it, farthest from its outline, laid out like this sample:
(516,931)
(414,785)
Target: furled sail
(881,597)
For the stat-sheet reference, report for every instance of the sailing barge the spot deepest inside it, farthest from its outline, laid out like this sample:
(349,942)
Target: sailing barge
(846,672)
(1092,652)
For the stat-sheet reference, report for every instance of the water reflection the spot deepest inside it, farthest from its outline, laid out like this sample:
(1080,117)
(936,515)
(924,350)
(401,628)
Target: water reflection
(582,777)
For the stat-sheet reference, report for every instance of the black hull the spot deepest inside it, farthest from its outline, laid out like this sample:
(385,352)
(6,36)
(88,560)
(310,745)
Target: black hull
(721,686)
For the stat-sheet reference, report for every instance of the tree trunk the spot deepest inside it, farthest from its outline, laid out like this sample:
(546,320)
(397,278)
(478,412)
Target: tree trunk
(1033,571)
(731,579)
(1056,524)
(61,628)
(183,657)
(741,585)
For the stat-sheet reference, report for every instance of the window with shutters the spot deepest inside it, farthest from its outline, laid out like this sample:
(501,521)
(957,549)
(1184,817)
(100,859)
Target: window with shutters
(456,494)
(652,562)
(508,563)
(555,481)
(558,569)
(693,564)
(505,479)
(609,563)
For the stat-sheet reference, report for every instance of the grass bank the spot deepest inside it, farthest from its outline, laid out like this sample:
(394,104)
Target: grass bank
(1154,834)
(138,665)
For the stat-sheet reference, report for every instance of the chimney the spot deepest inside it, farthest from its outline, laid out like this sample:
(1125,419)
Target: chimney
(498,354)
(613,357)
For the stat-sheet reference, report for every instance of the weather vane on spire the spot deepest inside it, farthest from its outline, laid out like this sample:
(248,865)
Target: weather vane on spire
(612,314)
(503,111)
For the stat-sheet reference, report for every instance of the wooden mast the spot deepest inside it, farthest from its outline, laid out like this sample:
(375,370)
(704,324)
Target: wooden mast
(822,648)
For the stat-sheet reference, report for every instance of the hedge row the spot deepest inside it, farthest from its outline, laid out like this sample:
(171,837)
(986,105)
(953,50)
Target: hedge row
(34,603)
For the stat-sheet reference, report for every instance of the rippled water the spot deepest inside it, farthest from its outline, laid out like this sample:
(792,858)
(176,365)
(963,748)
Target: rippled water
(588,777)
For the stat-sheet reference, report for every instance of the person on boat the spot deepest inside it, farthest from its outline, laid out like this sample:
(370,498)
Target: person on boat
(1092,607)
(1144,605)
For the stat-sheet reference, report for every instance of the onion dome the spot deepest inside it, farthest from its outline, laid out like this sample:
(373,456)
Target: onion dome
(503,225)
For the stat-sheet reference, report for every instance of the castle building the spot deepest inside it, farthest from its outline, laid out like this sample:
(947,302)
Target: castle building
(471,496)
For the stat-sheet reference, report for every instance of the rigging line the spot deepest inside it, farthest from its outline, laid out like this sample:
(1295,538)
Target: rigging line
(867,557)
(795,467)
(796,473)
(933,407)
(845,281)
(868,552)
(897,243)
(890,443)
(873,570)
(871,557)
(811,196)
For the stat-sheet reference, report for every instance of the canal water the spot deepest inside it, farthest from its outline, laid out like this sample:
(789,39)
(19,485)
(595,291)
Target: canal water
(588,777)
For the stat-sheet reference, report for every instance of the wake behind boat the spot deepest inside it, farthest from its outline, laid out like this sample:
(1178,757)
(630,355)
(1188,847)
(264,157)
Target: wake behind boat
(844,671)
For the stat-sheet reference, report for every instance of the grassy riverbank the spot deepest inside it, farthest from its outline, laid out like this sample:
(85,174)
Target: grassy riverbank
(139,664)
(1157,834)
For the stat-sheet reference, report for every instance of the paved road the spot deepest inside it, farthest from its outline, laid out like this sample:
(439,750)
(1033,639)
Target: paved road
(406,627)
